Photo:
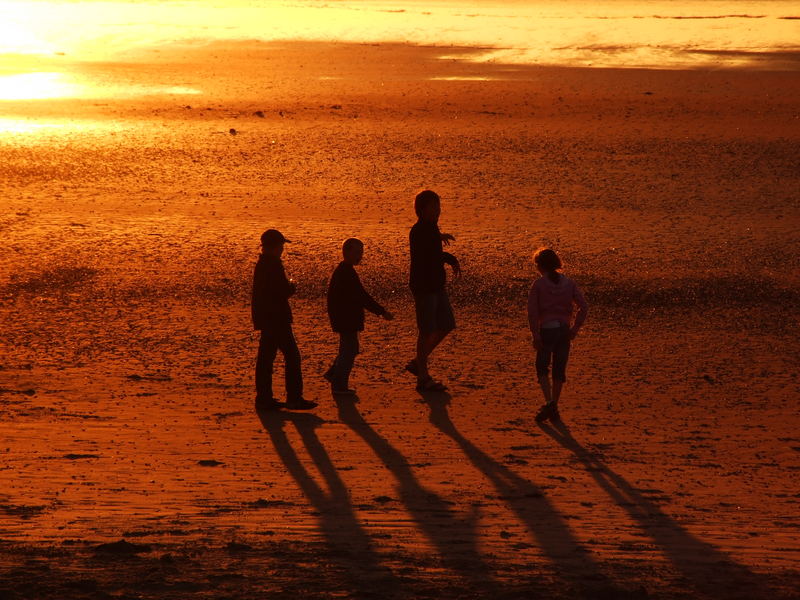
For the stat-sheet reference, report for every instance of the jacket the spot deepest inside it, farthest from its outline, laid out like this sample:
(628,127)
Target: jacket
(271,292)
(347,300)
(548,301)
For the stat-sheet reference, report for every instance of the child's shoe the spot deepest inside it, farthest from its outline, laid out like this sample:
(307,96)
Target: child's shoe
(300,404)
(544,413)
(268,403)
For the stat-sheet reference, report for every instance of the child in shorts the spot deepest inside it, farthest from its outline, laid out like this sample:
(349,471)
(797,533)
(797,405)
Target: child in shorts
(551,303)
(427,280)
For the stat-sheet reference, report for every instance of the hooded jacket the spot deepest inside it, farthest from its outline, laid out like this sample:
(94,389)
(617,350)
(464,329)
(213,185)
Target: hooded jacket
(548,301)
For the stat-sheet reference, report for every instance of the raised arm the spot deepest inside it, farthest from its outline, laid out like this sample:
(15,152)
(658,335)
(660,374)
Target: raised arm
(451,260)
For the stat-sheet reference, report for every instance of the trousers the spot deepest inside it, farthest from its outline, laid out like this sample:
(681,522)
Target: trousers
(278,337)
(348,350)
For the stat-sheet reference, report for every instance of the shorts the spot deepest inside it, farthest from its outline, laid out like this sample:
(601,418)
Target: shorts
(434,312)
(555,348)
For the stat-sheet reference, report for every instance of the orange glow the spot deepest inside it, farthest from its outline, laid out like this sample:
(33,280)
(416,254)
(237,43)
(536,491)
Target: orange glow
(35,86)
(620,33)
(42,86)
(16,37)
(20,126)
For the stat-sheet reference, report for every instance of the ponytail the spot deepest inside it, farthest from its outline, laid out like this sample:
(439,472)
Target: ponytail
(547,260)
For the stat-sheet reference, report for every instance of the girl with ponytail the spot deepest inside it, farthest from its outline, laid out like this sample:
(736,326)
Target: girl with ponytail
(551,303)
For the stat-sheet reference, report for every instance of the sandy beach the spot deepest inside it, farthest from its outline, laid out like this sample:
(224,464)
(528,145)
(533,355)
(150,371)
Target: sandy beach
(131,228)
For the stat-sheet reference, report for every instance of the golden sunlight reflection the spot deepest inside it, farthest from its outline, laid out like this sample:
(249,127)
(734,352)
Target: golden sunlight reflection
(17,38)
(22,126)
(42,86)
(615,33)
(36,86)
(44,130)
(465,78)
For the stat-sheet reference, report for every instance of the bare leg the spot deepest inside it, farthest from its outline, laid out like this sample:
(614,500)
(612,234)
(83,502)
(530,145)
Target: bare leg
(544,411)
(427,343)
(544,383)
(557,385)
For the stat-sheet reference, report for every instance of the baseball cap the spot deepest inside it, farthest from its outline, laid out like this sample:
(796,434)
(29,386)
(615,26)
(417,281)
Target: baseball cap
(273,237)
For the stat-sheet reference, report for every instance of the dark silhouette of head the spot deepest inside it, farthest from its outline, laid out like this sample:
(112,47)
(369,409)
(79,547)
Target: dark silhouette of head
(548,263)
(427,205)
(272,242)
(352,251)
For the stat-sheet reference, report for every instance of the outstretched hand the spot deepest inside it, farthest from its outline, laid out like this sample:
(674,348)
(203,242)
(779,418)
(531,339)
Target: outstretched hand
(456,269)
(447,238)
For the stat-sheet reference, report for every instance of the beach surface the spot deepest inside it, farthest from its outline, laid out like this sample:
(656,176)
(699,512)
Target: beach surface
(131,224)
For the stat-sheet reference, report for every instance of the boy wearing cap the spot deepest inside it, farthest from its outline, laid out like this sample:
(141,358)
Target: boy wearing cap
(347,300)
(273,317)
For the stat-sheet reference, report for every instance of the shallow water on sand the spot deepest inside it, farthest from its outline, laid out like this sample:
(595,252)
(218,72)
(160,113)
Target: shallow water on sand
(655,33)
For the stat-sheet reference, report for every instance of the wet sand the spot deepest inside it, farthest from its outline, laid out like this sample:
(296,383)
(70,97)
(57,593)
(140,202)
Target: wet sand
(126,360)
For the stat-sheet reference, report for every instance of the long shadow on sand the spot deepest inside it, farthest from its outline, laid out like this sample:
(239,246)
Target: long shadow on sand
(574,571)
(453,535)
(705,568)
(350,546)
